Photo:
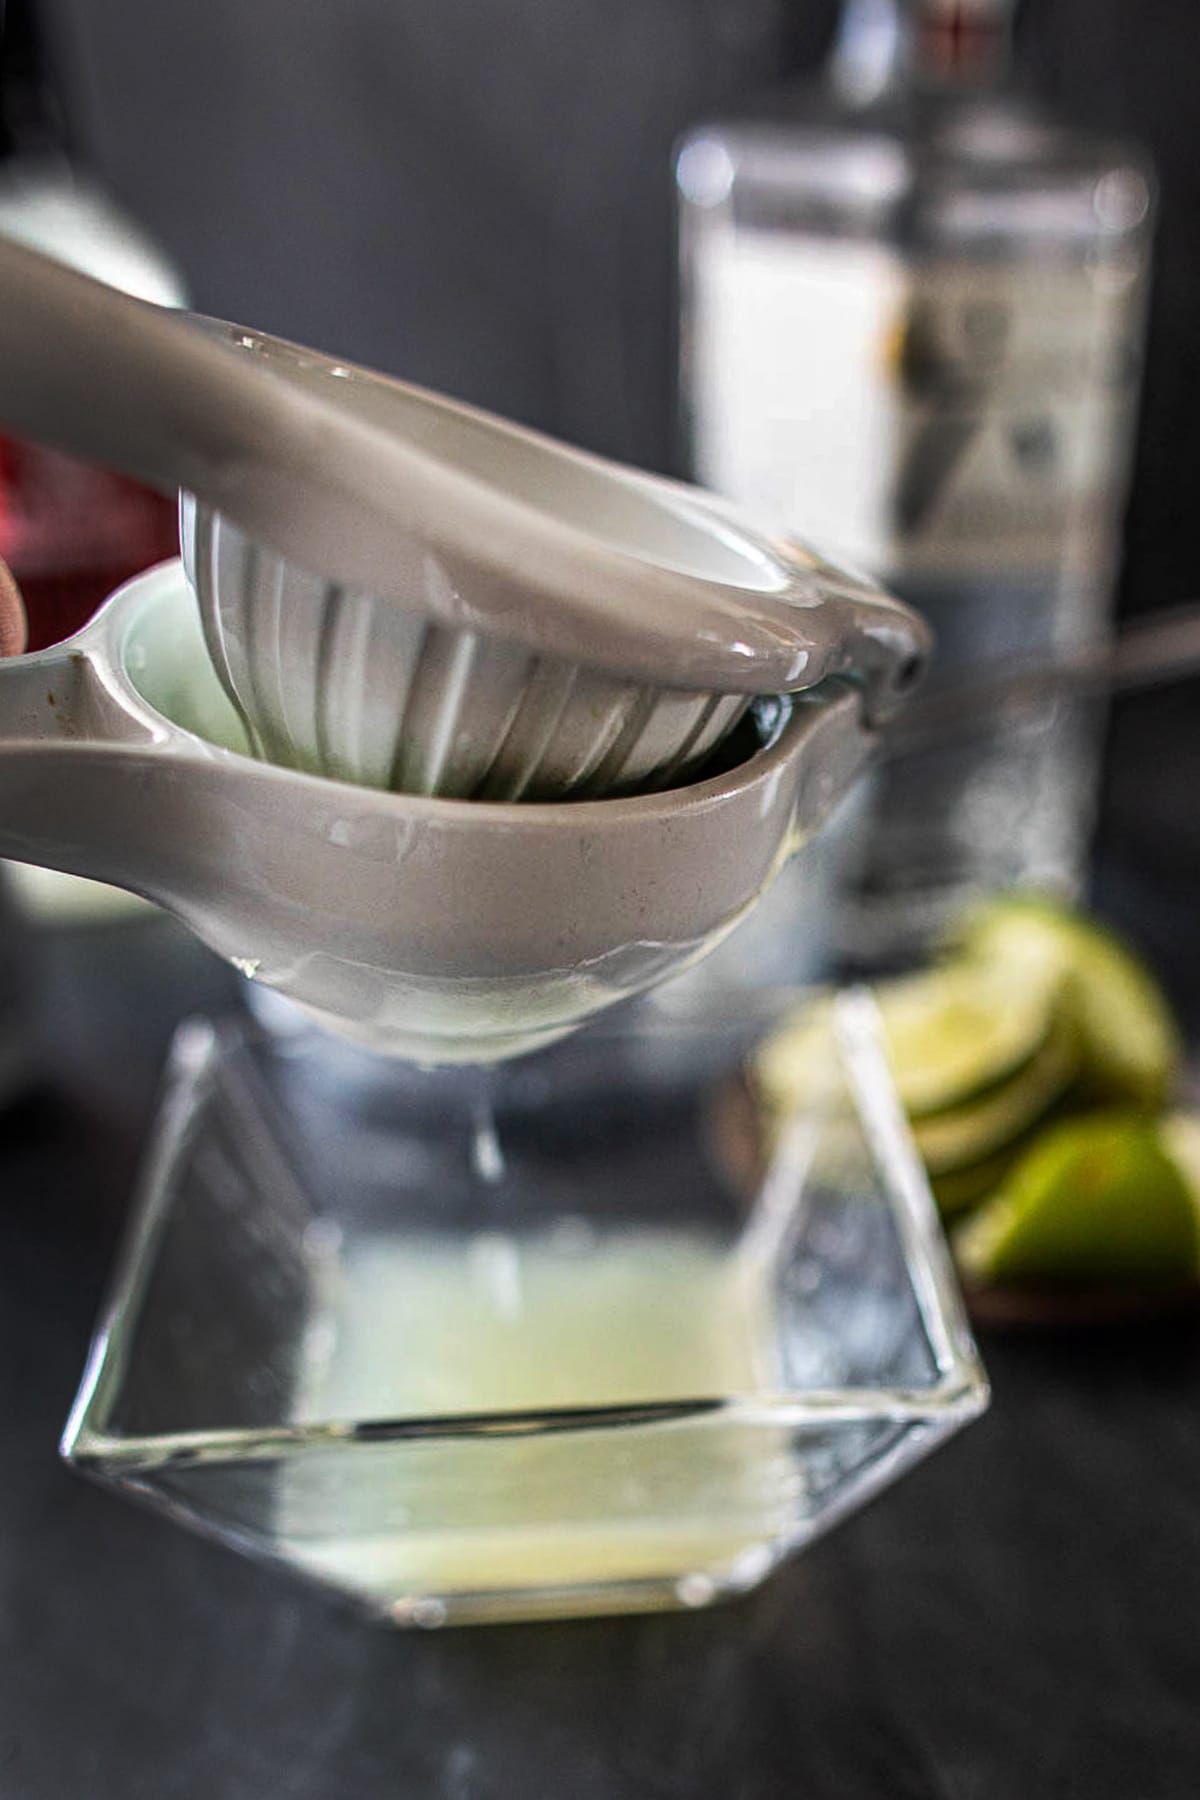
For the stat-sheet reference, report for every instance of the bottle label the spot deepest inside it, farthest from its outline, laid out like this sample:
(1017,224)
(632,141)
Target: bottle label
(935,420)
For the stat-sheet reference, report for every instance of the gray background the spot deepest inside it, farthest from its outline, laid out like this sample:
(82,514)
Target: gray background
(476,193)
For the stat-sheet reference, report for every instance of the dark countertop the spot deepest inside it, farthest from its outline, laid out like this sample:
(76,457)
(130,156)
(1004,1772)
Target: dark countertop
(1018,1618)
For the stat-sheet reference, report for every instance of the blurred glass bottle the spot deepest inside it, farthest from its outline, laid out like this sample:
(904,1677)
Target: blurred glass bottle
(69,532)
(912,323)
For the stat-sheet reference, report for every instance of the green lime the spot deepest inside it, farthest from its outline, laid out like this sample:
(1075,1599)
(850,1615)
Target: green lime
(1099,1199)
(796,1064)
(956,1030)
(1130,1049)
(1180,1134)
(991,1119)
(950,1032)
(958,1190)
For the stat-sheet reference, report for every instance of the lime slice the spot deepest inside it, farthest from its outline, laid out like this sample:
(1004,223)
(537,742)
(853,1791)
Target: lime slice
(960,1135)
(1180,1134)
(950,1032)
(958,1190)
(1130,1049)
(954,1031)
(1097,1199)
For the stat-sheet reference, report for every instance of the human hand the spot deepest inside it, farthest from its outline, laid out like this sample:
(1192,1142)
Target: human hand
(12,614)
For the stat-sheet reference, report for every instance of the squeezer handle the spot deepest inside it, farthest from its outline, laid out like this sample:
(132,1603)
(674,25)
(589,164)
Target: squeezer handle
(56,694)
(133,386)
(77,766)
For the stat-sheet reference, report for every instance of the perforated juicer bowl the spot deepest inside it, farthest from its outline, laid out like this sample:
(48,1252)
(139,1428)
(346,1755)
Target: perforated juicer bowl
(354,686)
(568,635)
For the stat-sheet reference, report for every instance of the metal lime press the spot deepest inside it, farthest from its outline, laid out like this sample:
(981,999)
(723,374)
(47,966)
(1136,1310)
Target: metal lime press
(451,733)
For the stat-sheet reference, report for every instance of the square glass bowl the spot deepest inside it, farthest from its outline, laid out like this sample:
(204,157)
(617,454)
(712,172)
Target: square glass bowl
(564,1337)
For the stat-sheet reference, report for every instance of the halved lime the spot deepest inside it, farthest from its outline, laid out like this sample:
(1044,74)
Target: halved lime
(957,1030)
(1099,1199)
(1130,1050)
(958,1190)
(951,1033)
(1180,1134)
(981,1126)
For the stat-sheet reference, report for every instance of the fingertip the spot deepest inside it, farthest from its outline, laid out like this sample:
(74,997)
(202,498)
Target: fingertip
(13,624)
